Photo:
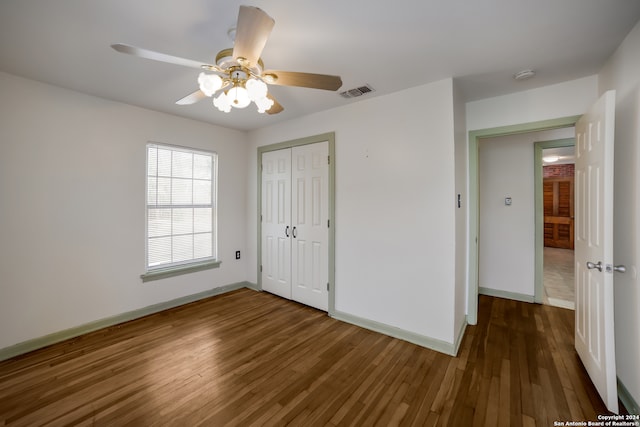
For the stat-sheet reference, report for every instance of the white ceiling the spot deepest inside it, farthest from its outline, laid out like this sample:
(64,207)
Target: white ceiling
(389,45)
(566,155)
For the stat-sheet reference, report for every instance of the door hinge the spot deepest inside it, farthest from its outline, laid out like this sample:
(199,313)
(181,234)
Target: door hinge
(328,160)
(260,268)
(328,223)
(327,286)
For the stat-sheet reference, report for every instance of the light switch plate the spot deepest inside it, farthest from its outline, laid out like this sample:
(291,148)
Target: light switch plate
(507,201)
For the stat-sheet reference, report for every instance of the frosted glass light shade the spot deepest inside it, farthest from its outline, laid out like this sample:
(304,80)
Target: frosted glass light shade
(209,83)
(256,89)
(222,102)
(263,104)
(238,97)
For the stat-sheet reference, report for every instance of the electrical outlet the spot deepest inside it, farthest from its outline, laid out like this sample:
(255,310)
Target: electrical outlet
(237,254)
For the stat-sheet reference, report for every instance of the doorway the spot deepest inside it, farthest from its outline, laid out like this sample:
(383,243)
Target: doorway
(556,161)
(474,199)
(599,359)
(507,213)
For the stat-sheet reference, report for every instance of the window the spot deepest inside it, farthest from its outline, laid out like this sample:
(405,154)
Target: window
(181,207)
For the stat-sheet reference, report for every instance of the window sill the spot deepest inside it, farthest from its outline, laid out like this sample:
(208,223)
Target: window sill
(163,273)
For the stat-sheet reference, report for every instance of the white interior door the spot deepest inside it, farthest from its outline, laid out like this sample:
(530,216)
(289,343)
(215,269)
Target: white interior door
(276,222)
(310,227)
(594,328)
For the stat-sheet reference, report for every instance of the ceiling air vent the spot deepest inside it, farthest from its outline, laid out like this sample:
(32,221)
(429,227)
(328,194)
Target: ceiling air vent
(359,91)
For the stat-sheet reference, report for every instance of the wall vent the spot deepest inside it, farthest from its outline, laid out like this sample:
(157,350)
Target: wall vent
(358,91)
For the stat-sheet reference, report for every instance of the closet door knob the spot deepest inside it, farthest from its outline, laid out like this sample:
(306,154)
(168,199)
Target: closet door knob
(286,231)
(597,266)
(293,233)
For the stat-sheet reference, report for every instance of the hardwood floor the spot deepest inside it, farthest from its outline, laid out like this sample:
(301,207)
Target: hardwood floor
(248,358)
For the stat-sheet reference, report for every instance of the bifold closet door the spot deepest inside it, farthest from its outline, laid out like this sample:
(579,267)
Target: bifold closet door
(276,222)
(295,223)
(310,216)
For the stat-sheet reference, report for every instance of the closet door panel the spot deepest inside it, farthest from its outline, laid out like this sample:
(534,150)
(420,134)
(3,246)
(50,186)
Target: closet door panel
(276,222)
(310,215)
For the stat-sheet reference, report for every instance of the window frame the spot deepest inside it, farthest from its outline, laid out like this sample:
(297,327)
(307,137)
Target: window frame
(195,264)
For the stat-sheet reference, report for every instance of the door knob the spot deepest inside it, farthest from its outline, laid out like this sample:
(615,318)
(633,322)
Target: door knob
(591,265)
(620,268)
(286,231)
(294,233)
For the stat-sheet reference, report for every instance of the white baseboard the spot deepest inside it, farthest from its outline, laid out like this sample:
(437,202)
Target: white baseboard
(392,331)
(505,294)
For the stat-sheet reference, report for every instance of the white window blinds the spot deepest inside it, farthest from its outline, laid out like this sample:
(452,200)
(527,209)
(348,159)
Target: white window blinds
(181,206)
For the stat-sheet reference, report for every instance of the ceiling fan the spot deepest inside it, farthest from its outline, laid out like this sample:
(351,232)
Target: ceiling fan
(238,76)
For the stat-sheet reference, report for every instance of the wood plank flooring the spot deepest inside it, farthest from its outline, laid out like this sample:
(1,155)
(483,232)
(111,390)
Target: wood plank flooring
(248,358)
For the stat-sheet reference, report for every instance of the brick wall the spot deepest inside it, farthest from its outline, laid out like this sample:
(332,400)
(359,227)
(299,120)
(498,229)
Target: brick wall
(558,171)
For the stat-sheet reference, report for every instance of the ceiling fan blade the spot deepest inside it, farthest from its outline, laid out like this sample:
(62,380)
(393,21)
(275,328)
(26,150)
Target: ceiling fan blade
(192,98)
(292,78)
(162,57)
(276,107)
(252,32)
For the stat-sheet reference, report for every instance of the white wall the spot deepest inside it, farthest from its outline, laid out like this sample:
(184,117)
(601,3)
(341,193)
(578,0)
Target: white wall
(507,233)
(622,73)
(395,215)
(72,177)
(548,102)
(461,178)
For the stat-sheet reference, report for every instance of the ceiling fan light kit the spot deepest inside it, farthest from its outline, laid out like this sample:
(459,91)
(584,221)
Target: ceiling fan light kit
(242,92)
(238,76)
